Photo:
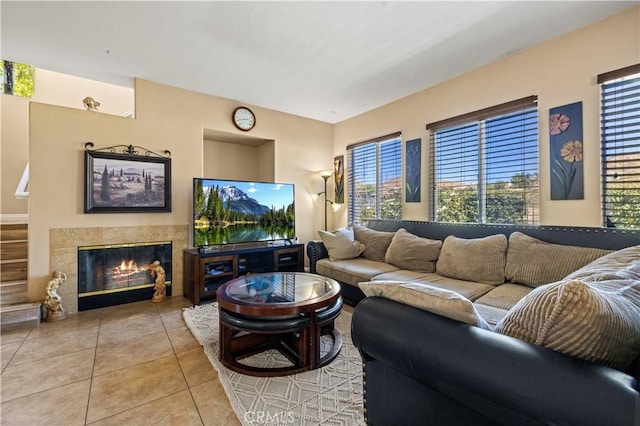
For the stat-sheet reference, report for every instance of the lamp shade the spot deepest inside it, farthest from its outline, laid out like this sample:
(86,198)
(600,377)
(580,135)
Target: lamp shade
(326,174)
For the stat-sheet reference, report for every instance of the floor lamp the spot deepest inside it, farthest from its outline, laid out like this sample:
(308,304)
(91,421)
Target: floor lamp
(325,174)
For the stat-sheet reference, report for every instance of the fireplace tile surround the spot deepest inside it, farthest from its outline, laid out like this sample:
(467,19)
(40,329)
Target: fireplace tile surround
(64,243)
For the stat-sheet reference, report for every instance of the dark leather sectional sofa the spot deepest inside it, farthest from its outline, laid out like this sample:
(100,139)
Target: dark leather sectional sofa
(420,368)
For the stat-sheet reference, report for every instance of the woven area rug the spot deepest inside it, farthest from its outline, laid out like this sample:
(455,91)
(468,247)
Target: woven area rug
(331,395)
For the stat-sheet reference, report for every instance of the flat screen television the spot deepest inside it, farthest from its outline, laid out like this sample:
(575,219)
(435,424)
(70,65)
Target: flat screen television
(232,211)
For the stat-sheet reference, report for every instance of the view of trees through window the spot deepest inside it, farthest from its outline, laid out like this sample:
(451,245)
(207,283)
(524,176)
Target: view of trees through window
(505,202)
(486,171)
(17,79)
(620,126)
(375,180)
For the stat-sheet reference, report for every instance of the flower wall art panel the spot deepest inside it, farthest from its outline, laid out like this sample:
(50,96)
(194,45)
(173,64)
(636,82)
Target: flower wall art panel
(338,169)
(412,172)
(566,144)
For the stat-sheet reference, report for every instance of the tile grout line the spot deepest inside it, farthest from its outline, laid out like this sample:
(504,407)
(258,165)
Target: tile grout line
(93,368)
(16,351)
(181,369)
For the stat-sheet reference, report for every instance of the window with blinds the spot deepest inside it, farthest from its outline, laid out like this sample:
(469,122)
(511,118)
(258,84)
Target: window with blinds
(620,147)
(374,179)
(484,165)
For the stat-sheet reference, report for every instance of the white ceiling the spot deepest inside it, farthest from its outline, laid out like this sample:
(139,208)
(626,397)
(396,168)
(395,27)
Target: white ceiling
(324,60)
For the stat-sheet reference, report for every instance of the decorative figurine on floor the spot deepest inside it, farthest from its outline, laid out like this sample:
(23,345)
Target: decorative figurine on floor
(160,288)
(53,301)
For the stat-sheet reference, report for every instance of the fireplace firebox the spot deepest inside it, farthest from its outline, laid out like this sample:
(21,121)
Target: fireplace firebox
(116,274)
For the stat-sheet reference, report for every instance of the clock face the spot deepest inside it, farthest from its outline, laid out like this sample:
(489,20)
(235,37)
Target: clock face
(243,118)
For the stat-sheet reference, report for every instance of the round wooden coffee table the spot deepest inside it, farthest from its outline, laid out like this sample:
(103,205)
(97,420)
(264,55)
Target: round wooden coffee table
(285,311)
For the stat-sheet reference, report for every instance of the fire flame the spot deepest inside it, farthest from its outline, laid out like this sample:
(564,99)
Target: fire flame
(131,266)
(127,267)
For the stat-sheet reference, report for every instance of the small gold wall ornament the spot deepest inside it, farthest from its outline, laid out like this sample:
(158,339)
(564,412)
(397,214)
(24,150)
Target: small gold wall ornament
(53,301)
(91,104)
(157,271)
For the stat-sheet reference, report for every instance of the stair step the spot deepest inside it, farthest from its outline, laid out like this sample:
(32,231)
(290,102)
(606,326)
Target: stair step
(13,270)
(16,249)
(12,292)
(14,231)
(20,315)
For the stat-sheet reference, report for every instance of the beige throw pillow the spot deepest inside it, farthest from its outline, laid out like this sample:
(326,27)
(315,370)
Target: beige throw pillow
(408,251)
(597,321)
(375,242)
(439,301)
(533,262)
(341,244)
(622,264)
(475,259)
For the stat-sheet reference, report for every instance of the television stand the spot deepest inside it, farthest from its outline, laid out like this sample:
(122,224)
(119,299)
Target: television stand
(205,270)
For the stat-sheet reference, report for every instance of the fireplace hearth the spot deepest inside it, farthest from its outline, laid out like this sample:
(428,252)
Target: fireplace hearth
(116,274)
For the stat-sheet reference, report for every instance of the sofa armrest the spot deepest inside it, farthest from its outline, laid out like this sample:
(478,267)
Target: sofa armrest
(483,370)
(316,251)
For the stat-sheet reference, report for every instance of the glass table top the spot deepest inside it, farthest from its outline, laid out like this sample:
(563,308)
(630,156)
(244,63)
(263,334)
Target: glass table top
(281,288)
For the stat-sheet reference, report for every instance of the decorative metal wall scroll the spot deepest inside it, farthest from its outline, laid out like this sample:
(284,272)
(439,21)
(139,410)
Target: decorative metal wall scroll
(126,179)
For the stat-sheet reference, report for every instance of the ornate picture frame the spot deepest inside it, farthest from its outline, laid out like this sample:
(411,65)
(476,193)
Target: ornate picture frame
(126,179)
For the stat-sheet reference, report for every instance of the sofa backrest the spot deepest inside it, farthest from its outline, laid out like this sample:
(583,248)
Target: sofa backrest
(604,238)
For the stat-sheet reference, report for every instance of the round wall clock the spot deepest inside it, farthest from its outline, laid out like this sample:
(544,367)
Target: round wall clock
(243,118)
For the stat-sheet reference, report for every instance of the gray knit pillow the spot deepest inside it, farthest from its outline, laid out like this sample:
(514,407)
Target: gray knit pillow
(533,262)
(597,321)
(475,259)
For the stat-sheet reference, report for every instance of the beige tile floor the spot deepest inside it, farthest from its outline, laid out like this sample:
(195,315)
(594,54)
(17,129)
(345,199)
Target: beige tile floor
(134,364)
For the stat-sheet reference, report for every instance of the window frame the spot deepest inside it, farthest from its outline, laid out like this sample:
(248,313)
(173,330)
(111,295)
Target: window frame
(381,166)
(480,118)
(618,138)
(18,79)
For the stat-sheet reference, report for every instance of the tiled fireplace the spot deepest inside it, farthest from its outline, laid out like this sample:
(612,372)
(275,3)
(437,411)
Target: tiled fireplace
(66,242)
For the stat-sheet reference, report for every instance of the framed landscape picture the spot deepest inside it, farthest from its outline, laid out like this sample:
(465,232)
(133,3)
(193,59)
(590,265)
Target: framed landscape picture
(126,183)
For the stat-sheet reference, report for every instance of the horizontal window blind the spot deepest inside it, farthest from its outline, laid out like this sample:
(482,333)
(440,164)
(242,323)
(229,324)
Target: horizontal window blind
(620,148)
(486,171)
(375,179)
(482,114)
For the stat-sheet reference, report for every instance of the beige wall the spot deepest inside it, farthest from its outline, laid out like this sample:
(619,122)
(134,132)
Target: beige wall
(222,160)
(50,88)
(560,72)
(166,118)
(66,90)
(14,152)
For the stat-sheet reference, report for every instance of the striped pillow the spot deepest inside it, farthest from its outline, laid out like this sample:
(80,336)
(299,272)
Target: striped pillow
(474,259)
(408,251)
(623,264)
(375,242)
(598,321)
(533,262)
(436,300)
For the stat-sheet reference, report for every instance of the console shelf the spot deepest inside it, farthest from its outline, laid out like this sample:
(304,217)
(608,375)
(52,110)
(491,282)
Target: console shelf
(204,272)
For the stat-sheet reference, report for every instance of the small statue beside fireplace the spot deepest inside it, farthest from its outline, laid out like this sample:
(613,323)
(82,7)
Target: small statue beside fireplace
(157,270)
(53,301)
